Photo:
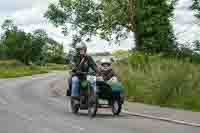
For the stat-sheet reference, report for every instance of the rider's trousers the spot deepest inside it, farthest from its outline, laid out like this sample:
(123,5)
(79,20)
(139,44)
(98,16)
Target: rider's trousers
(75,86)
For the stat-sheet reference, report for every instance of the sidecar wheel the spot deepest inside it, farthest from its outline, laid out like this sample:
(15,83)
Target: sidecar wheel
(116,107)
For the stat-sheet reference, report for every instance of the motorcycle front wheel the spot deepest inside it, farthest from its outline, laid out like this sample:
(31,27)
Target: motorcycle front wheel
(92,106)
(92,102)
(74,106)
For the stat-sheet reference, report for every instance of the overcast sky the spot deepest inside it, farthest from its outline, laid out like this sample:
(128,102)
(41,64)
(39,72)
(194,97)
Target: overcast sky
(28,14)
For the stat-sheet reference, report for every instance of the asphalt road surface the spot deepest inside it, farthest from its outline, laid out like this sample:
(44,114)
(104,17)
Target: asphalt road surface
(27,107)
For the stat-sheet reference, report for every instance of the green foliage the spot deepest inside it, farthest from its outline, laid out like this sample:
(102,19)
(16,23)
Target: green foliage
(197,45)
(90,18)
(29,48)
(8,25)
(81,15)
(153,29)
(139,61)
(155,79)
(3,50)
(18,45)
(177,82)
(39,40)
(148,19)
(53,52)
(120,53)
(196,7)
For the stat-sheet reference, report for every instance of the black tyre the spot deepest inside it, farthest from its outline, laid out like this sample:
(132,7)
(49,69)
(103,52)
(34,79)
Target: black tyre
(74,106)
(116,107)
(92,102)
(92,106)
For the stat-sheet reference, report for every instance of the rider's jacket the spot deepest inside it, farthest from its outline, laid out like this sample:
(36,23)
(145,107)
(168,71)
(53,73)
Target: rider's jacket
(83,64)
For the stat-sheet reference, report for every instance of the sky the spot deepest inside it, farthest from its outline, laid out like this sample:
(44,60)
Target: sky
(28,15)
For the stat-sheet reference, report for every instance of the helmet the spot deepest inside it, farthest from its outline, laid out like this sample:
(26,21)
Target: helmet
(106,61)
(106,64)
(81,45)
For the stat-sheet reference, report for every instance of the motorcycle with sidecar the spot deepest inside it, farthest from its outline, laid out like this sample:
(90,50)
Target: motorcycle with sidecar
(108,94)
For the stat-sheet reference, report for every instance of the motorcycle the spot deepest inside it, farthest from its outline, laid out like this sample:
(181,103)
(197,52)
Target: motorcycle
(109,91)
(87,99)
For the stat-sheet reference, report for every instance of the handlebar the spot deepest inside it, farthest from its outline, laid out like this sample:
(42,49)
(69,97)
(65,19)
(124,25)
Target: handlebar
(85,73)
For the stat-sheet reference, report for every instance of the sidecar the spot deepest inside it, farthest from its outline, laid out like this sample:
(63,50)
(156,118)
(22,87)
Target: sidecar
(112,93)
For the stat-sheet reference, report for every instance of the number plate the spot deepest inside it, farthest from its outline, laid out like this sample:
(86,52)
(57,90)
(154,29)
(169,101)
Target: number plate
(103,101)
(91,78)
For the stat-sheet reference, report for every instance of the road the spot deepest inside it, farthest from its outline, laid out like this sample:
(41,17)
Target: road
(27,107)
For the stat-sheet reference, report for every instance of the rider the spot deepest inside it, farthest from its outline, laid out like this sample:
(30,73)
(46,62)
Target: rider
(106,70)
(83,63)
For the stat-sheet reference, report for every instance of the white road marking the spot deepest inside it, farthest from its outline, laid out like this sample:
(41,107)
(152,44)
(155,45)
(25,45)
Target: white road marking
(162,119)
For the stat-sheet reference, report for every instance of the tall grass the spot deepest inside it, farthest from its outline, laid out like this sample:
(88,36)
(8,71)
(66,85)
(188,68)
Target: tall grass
(162,81)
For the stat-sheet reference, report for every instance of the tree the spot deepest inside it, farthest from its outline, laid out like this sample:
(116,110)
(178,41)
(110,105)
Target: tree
(13,40)
(197,45)
(38,41)
(89,18)
(75,39)
(28,47)
(148,19)
(53,51)
(17,44)
(3,50)
(9,25)
(196,7)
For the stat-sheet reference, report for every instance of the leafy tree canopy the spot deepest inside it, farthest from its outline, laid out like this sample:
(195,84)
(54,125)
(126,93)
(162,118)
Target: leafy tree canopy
(113,19)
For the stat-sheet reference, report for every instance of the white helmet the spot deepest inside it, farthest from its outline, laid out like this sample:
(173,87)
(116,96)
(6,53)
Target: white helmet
(106,64)
(106,61)
(81,45)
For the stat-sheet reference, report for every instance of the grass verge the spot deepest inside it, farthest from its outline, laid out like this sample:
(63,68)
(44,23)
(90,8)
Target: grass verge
(12,68)
(160,81)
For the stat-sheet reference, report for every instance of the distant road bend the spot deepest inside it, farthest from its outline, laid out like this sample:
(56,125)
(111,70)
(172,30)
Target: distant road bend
(26,106)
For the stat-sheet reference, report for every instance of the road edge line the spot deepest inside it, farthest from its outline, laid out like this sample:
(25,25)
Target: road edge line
(162,119)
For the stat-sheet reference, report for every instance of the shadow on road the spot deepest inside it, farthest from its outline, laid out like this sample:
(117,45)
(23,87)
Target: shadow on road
(102,115)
